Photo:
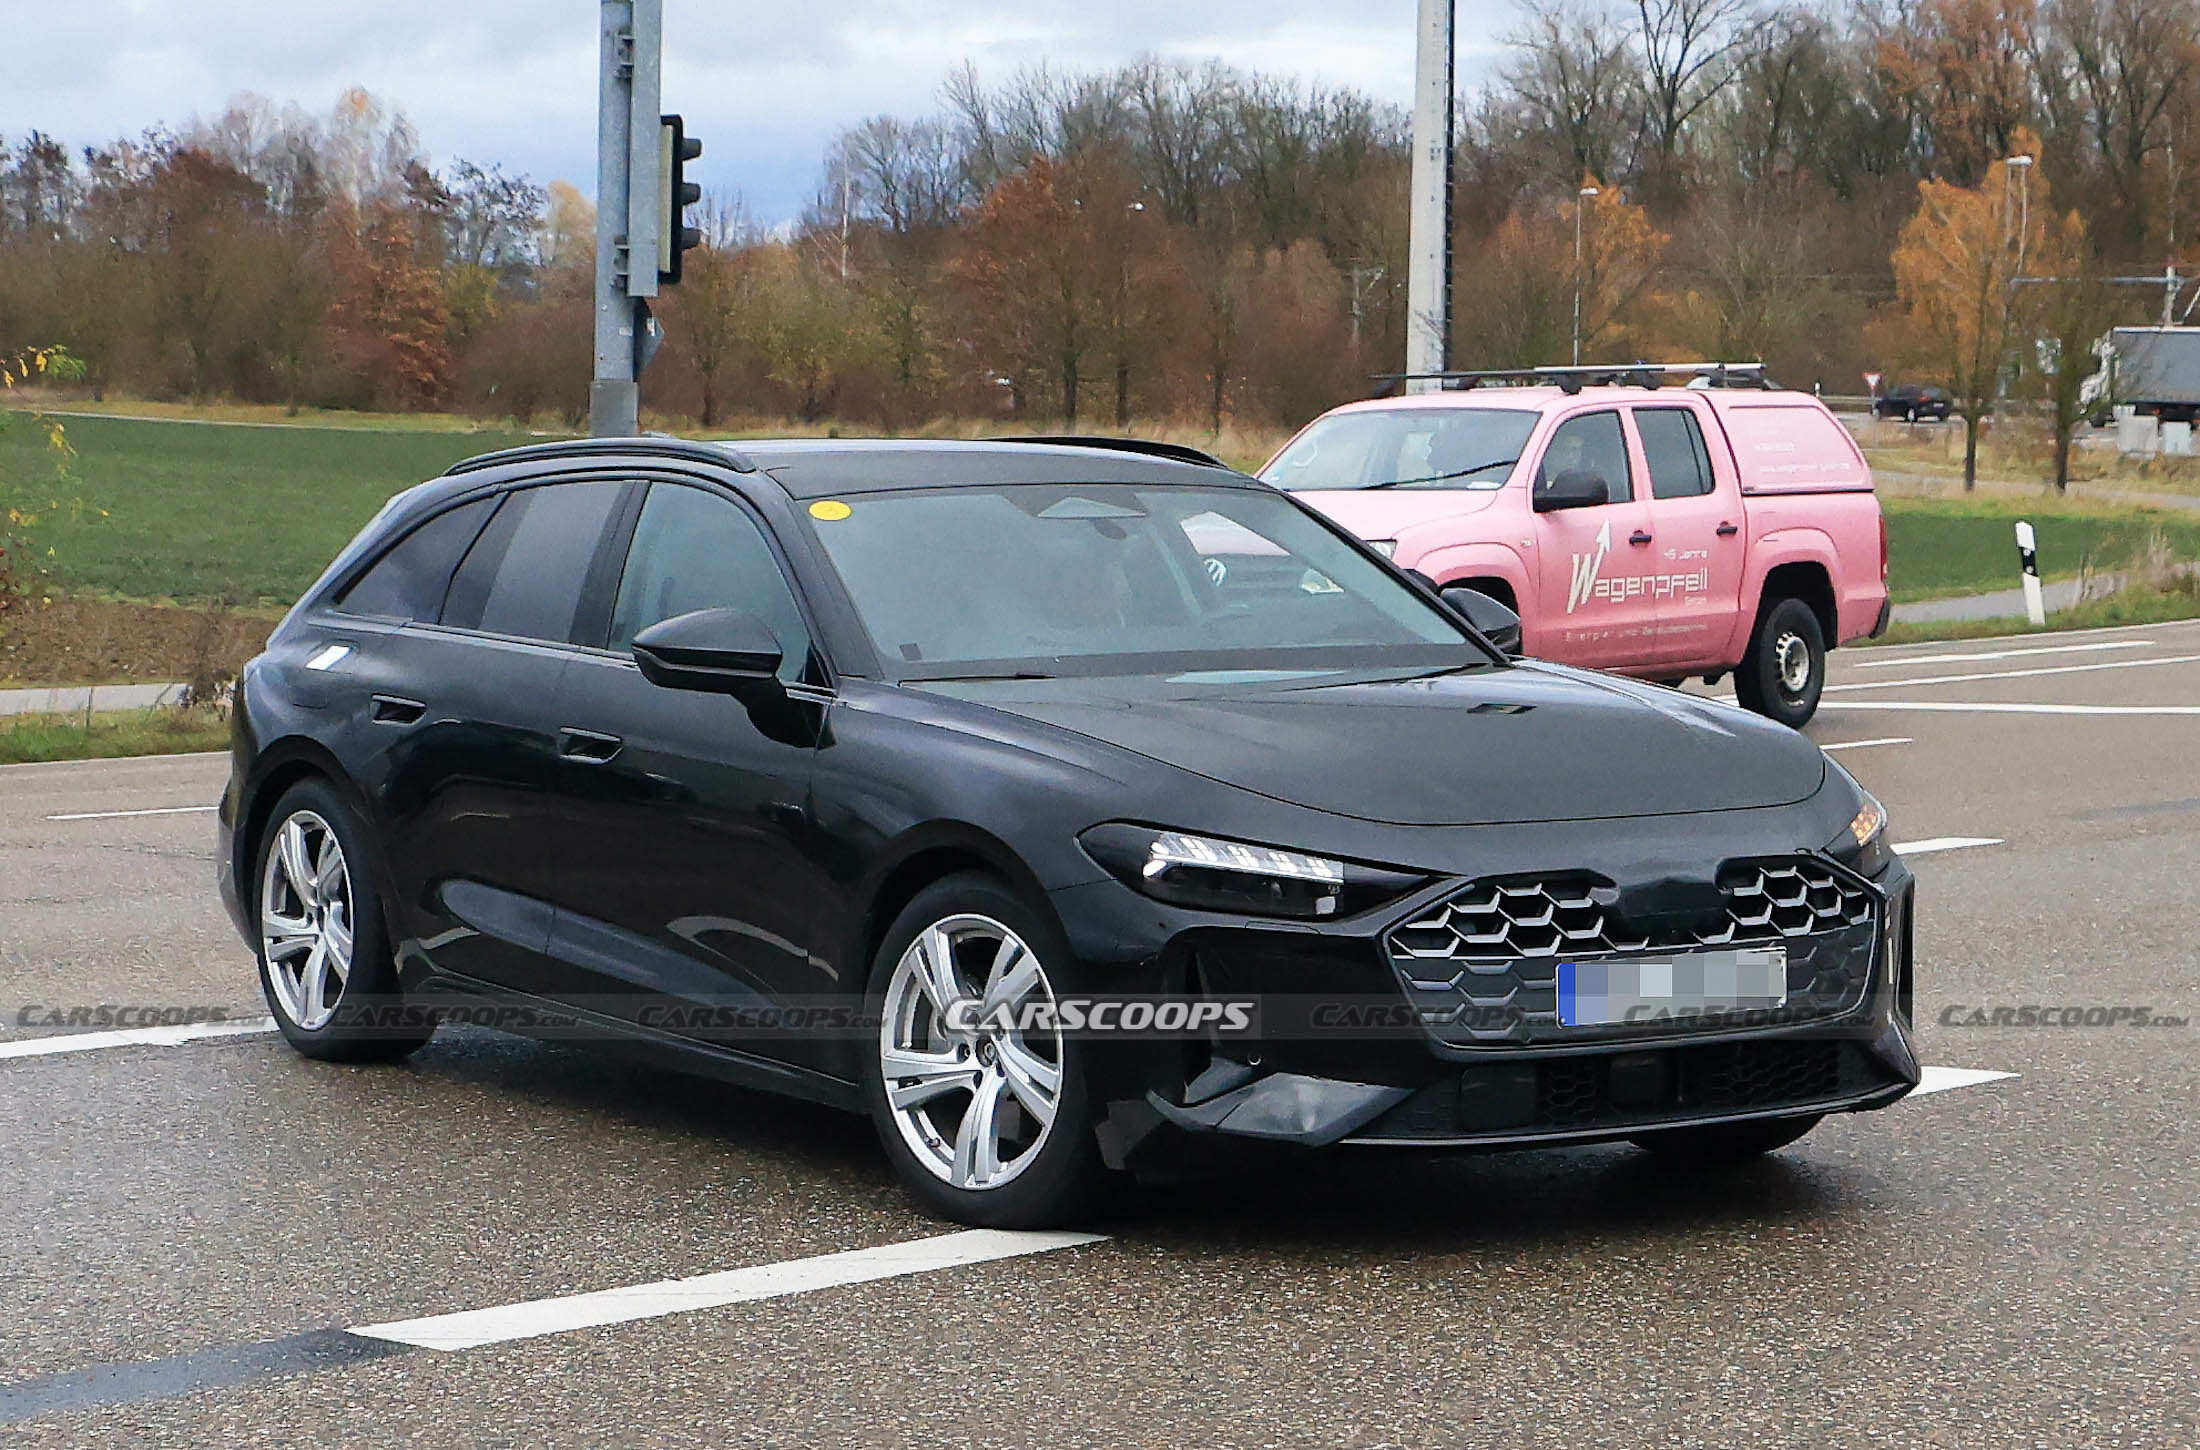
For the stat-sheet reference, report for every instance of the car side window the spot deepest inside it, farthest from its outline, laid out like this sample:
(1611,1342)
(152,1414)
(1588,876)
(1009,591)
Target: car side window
(1673,447)
(409,580)
(524,575)
(1590,443)
(694,550)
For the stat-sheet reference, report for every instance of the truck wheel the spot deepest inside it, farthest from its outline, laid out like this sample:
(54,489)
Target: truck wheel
(1786,668)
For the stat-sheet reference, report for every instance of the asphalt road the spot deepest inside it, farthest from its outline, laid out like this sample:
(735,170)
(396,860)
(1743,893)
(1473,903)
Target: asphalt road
(2005,1263)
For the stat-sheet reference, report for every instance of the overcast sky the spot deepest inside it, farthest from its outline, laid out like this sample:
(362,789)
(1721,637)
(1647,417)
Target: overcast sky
(765,84)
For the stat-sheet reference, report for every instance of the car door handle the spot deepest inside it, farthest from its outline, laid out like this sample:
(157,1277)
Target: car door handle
(396,710)
(1729,530)
(1639,536)
(587,746)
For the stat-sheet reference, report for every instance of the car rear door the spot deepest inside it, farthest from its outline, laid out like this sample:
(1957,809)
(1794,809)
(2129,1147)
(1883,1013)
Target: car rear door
(689,876)
(1697,544)
(1590,607)
(467,745)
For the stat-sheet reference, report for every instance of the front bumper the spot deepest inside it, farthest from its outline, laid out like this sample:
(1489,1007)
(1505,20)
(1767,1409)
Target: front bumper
(1529,1082)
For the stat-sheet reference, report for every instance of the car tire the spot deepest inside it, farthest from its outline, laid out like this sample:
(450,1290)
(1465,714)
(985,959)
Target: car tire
(317,907)
(1785,671)
(1726,1142)
(976,1113)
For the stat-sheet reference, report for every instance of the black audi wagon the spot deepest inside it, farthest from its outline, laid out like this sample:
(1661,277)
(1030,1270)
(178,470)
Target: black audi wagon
(1057,805)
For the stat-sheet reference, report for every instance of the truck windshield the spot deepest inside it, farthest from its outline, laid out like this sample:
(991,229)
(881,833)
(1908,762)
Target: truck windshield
(1417,447)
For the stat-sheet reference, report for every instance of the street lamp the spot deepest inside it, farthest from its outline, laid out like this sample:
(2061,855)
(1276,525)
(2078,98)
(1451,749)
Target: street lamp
(1580,202)
(2022,165)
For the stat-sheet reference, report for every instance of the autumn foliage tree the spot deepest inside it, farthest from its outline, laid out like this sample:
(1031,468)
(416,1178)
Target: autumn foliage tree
(1956,271)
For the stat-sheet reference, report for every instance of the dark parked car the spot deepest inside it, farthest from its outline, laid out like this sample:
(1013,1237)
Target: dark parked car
(1912,402)
(912,777)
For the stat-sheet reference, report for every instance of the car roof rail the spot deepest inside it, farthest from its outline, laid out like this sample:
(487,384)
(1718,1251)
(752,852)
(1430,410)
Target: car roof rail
(1151,447)
(656,445)
(1571,380)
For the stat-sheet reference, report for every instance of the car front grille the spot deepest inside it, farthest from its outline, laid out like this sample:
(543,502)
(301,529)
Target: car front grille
(1482,966)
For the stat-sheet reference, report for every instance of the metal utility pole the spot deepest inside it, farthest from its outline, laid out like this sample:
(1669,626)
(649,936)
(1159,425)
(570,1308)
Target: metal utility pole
(629,211)
(1428,273)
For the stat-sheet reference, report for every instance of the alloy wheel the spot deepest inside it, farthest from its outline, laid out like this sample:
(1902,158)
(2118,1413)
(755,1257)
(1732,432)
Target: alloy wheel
(306,920)
(973,1091)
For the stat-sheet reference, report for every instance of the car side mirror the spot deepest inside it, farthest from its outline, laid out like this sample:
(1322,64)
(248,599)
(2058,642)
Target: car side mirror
(718,651)
(1575,488)
(1497,623)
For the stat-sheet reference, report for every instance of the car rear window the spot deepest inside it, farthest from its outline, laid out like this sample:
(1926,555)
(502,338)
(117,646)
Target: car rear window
(525,573)
(409,580)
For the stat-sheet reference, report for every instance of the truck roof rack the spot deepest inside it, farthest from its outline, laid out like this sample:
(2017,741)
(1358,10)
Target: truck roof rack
(1572,380)
(1152,448)
(658,445)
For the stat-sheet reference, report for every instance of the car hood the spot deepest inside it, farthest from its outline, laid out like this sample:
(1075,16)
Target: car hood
(1530,742)
(1382,513)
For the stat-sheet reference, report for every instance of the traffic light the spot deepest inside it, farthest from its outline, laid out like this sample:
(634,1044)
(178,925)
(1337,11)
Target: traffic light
(674,235)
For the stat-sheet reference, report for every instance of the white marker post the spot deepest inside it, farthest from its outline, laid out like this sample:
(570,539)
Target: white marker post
(2028,558)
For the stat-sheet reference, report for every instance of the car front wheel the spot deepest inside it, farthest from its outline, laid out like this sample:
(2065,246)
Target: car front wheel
(979,1098)
(1786,668)
(325,962)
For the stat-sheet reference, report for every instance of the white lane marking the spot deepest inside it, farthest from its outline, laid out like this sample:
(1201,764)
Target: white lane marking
(118,815)
(2004,654)
(1996,707)
(1864,744)
(2012,674)
(1943,843)
(135,1037)
(1940,1079)
(474,1328)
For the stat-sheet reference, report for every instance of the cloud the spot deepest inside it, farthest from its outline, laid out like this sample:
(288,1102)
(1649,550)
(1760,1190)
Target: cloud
(766,86)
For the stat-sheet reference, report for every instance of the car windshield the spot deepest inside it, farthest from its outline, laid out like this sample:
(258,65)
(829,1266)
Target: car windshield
(1417,447)
(1036,580)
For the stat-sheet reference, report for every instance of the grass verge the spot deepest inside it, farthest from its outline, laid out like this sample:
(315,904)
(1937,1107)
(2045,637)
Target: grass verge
(1942,547)
(2127,606)
(110,735)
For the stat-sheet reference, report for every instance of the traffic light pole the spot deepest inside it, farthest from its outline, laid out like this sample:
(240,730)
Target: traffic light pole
(1428,240)
(628,210)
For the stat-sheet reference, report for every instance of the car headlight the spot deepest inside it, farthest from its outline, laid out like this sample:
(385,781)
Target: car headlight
(1388,548)
(1862,845)
(1207,874)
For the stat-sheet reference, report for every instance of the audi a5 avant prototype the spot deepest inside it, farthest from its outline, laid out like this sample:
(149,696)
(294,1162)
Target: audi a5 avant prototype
(1057,806)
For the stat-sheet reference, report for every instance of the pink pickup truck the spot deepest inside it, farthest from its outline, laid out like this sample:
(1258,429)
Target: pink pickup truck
(1656,532)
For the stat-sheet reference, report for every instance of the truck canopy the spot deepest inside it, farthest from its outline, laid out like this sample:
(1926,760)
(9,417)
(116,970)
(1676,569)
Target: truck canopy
(1788,443)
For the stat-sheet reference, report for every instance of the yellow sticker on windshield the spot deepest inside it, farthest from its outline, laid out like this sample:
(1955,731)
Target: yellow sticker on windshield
(832,510)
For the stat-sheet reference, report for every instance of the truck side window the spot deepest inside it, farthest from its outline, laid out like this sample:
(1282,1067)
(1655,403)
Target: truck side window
(1673,446)
(1591,442)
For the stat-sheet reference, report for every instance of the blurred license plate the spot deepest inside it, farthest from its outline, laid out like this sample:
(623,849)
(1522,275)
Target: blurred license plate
(1700,984)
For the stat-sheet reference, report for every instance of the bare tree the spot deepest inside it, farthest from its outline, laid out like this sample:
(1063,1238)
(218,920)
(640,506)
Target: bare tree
(1689,51)
(1576,81)
(2118,67)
